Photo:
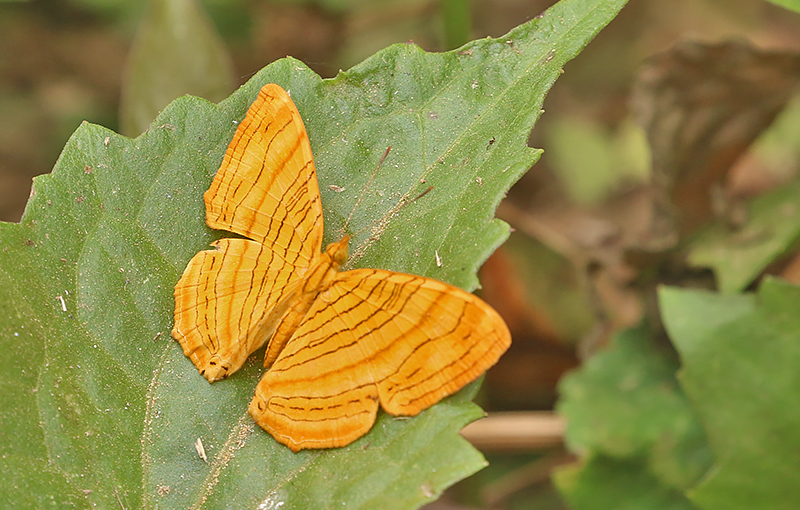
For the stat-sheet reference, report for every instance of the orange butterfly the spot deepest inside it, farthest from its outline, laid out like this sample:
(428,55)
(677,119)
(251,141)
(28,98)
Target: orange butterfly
(340,343)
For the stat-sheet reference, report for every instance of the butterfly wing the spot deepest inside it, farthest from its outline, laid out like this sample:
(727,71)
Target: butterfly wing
(266,188)
(225,304)
(375,336)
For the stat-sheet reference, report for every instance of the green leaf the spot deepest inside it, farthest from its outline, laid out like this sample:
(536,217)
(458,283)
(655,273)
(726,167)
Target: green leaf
(792,5)
(772,227)
(740,356)
(108,406)
(552,286)
(605,483)
(624,408)
(456,21)
(177,51)
(607,161)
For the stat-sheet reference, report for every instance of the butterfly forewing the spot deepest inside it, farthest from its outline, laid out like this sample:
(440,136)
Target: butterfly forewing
(266,188)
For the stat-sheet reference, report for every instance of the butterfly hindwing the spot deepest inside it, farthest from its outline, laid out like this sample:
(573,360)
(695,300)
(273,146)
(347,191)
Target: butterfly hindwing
(223,303)
(372,337)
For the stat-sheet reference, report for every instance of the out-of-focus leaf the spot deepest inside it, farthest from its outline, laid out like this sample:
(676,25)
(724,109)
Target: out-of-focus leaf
(793,5)
(605,483)
(108,406)
(605,161)
(540,296)
(739,358)
(549,287)
(177,51)
(456,22)
(737,257)
(702,106)
(625,404)
(778,149)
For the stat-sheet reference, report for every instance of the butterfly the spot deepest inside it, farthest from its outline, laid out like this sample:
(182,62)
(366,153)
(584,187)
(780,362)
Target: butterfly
(340,344)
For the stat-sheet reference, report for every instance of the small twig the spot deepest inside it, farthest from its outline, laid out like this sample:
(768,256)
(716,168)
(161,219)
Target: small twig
(519,431)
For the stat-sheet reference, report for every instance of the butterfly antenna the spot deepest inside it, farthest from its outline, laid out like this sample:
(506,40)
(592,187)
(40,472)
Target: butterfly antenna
(394,210)
(378,226)
(408,202)
(364,191)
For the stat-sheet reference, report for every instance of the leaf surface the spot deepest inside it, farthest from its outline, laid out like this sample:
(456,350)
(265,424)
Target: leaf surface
(109,407)
(177,51)
(738,257)
(740,356)
(641,444)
